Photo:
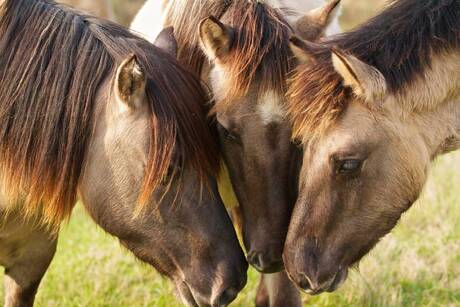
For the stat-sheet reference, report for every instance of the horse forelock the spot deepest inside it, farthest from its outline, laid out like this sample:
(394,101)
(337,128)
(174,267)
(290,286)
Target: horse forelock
(401,43)
(51,74)
(260,53)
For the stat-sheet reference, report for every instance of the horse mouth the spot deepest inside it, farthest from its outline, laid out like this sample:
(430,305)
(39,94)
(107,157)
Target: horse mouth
(328,286)
(338,280)
(191,298)
(332,284)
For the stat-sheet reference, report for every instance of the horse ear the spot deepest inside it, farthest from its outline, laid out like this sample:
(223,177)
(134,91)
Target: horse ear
(130,84)
(313,25)
(366,81)
(167,41)
(216,38)
(304,51)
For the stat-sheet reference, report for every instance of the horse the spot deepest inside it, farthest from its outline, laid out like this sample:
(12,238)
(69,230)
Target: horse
(372,107)
(152,17)
(241,49)
(90,111)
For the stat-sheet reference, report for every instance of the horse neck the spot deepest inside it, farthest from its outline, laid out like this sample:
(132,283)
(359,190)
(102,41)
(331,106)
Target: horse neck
(432,105)
(440,128)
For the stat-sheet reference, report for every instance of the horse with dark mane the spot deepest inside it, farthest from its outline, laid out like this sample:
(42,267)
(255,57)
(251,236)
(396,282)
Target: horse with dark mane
(90,111)
(373,108)
(241,49)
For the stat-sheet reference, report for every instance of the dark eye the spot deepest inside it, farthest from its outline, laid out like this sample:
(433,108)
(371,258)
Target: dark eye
(297,143)
(349,166)
(226,134)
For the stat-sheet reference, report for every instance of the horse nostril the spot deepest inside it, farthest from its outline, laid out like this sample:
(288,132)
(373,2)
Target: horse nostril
(264,263)
(309,285)
(226,297)
(254,259)
(303,283)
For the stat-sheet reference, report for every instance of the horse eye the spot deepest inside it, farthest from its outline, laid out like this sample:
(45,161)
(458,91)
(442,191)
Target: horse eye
(227,135)
(349,166)
(297,143)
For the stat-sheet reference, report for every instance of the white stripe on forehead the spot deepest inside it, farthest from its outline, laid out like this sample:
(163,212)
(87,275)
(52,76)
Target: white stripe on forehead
(270,108)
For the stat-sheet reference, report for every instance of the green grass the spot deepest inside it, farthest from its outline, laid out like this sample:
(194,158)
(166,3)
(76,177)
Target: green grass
(418,264)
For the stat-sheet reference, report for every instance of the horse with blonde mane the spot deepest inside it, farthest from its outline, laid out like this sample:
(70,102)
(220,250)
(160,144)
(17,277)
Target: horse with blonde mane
(372,108)
(241,49)
(90,111)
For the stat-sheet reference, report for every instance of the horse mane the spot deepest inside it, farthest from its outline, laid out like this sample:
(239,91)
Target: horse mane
(54,62)
(260,49)
(400,42)
(185,16)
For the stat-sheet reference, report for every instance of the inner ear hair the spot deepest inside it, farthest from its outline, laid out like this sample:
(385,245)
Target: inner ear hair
(216,37)
(366,81)
(130,82)
(344,68)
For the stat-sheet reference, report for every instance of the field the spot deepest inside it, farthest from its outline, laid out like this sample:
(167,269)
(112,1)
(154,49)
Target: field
(418,264)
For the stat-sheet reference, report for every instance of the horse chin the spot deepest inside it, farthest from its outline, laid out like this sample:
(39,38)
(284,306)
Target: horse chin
(338,281)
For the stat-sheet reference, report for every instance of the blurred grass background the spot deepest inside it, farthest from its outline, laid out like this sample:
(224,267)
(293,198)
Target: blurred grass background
(418,264)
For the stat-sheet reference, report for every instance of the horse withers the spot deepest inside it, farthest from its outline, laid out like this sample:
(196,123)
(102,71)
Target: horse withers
(90,111)
(372,108)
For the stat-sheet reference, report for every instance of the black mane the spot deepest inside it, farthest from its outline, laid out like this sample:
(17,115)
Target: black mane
(401,41)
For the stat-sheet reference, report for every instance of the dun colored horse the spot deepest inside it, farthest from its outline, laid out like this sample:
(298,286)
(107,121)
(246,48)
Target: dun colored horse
(372,108)
(241,49)
(90,111)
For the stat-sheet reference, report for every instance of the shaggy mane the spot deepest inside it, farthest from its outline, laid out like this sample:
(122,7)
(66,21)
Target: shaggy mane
(54,63)
(400,42)
(260,53)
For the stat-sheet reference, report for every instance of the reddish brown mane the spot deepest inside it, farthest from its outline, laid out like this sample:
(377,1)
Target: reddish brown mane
(260,52)
(50,76)
(400,42)
(316,96)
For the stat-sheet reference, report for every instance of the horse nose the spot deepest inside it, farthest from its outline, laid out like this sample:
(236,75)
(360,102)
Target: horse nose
(229,294)
(307,284)
(265,262)
(312,285)
(226,297)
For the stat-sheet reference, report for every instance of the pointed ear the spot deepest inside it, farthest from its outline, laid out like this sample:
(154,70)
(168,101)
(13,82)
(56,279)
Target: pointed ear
(130,84)
(313,25)
(216,38)
(366,81)
(167,41)
(304,51)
